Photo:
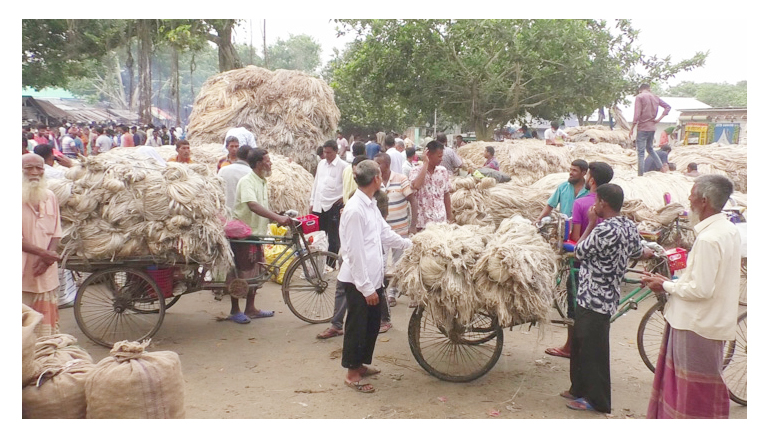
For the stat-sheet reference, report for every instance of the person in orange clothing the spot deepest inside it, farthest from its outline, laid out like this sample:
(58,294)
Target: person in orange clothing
(232,153)
(183,153)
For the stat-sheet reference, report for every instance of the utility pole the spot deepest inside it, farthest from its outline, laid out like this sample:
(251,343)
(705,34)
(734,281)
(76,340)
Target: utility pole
(264,43)
(251,34)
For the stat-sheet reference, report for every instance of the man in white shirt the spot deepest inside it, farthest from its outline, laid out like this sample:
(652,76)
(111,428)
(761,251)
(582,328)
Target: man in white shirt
(396,158)
(554,135)
(46,152)
(701,312)
(326,197)
(233,173)
(364,234)
(342,144)
(103,142)
(244,135)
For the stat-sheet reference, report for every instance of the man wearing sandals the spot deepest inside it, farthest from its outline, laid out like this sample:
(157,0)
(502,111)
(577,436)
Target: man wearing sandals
(700,313)
(363,235)
(253,208)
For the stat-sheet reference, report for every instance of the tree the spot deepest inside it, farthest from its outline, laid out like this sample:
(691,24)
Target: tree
(713,94)
(488,72)
(228,56)
(298,52)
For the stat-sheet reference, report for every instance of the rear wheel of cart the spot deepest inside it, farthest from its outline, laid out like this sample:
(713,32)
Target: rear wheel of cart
(650,333)
(309,286)
(736,363)
(118,304)
(458,354)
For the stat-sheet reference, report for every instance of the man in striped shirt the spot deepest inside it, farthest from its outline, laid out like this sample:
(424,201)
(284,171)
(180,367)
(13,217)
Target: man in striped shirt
(401,203)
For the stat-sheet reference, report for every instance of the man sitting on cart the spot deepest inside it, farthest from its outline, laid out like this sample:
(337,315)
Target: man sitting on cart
(252,206)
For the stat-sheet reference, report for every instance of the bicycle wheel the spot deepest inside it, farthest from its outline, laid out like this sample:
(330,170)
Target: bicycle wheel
(744,282)
(309,296)
(650,333)
(735,371)
(119,304)
(561,293)
(458,355)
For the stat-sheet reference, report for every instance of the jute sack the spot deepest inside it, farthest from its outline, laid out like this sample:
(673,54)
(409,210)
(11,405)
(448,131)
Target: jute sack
(29,321)
(56,350)
(58,392)
(134,384)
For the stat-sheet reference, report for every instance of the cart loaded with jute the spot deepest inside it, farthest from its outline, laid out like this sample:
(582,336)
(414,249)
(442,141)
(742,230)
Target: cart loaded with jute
(470,282)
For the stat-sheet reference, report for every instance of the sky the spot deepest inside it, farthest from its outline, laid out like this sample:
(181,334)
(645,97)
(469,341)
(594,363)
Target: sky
(727,61)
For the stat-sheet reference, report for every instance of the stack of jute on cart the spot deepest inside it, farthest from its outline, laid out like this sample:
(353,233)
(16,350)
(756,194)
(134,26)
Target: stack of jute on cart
(525,161)
(290,112)
(290,184)
(728,160)
(486,202)
(599,134)
(457,271)
(115,207)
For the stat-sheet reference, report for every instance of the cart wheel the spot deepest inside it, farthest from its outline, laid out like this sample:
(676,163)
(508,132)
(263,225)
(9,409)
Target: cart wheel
(744,282)
(309,296)
(173,301)
(650,333)
(736,363)
(459,355)
(118,304)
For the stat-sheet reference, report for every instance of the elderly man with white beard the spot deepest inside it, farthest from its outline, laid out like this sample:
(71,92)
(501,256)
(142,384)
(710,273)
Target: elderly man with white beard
(40,234)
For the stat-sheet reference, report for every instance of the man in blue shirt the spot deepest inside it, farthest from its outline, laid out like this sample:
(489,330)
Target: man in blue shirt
(568,191)
(650,165)
(372,148)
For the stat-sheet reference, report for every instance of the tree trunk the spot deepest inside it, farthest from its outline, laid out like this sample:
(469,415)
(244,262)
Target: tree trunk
(145,74)
(228,56)
(129,63)
(175,82)
(120,90)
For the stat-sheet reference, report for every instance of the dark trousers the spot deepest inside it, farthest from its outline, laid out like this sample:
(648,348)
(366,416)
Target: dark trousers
(589,368)
(329,223)
(361,328)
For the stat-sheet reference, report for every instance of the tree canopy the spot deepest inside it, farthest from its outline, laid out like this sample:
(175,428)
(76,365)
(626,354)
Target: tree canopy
(713,94)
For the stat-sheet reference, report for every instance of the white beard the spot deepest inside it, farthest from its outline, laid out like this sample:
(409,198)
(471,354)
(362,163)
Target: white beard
(34,192)
(694,217)
(267,174)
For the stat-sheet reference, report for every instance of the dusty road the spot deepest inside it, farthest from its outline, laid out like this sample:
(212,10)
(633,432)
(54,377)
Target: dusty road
(275,368)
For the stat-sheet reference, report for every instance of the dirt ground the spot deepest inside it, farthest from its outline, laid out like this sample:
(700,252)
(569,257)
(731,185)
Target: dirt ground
(275,368)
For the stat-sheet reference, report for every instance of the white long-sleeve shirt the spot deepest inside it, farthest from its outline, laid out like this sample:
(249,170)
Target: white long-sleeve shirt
(705,297)
(364,236)
(328,185)
(244,136)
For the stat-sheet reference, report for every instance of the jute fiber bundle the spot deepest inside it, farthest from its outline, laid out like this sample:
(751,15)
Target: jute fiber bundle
(728,160)
(115,207)
(134,384)
(29,321)
(58,392)
(437,270)
(515,274)
(617,157)
(525,161)
(599,133)
(487,203)
(289,112)
(57,350)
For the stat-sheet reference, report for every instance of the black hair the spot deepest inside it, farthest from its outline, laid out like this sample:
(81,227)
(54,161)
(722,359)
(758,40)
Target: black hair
(581,164)
(644,87)
(243,151)
(441,138)
(666,148)
(358,159)
(255,156)
(490,150)
(182,142)
(410,152)
(44,150)
(692,166)
(434,145)
(319,151)
(358,148)
(672,166)
(331,144)
(612,194)
(384,156)
(601,172)
(389,140)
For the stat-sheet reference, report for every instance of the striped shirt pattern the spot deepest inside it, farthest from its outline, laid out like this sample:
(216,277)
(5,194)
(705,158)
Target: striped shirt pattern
(398,188)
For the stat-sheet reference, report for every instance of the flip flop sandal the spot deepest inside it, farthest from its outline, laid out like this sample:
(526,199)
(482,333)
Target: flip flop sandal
(329,333)
(580,404)
(239,318)
(567,395)
(369,372)
(557,352)
(384,327)
(359,386)
(261,314)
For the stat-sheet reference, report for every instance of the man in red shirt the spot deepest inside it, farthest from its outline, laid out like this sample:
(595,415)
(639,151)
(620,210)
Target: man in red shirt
(645,117)
(126,139)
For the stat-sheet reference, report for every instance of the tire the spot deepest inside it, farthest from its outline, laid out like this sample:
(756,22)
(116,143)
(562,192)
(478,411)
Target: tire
(561,292)
(458,356)
(735,371)
(173,301)
(650,333)
(119,304)
(744,282)
(311,298)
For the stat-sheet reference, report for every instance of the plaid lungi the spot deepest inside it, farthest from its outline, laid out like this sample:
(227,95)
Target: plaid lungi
(47,304)
(687,380)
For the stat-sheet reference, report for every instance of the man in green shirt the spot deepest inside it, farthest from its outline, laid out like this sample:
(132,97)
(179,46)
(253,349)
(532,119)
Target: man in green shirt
(252,206)
(568,191)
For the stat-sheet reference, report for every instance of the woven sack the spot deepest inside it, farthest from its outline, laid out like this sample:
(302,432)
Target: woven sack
(29,321)
(58,393)
(56,350)
(134,384)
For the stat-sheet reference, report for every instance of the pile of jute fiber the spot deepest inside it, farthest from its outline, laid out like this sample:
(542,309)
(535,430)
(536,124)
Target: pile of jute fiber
(599,133)
(728,160)
(457,271)
(115,207)
(486,202)
(288,111)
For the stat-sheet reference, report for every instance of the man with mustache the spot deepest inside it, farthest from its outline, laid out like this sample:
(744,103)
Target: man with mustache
(40,234)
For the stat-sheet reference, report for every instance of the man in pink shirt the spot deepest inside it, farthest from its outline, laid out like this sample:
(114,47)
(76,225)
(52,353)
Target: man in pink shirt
(40,234)
(645,117)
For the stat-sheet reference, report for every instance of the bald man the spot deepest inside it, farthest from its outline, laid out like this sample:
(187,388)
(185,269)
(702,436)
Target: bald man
(40,234)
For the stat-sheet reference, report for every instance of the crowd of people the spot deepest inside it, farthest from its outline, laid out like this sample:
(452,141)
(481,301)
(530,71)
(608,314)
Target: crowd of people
(371,198)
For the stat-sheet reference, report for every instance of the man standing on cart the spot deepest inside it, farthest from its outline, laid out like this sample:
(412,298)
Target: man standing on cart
(252,206)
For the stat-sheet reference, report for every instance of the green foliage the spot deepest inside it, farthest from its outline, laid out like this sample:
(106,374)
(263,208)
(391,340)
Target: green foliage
(713,94)
(299,52)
